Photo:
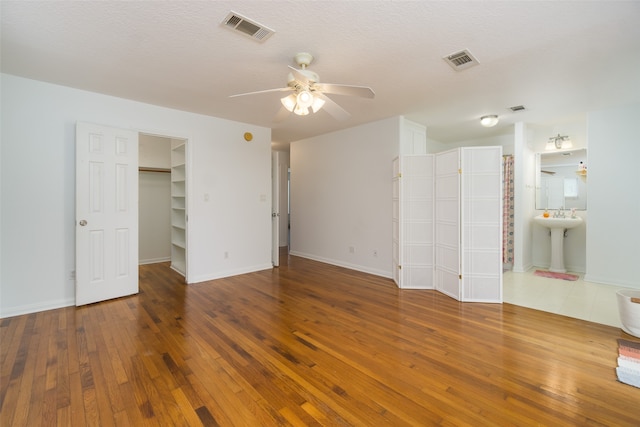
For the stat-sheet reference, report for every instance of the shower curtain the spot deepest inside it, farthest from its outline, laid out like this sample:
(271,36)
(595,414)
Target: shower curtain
(507,212)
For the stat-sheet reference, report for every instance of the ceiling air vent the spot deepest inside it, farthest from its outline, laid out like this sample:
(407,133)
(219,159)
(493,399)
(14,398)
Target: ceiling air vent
(246,26)
(517,108)
(461,60)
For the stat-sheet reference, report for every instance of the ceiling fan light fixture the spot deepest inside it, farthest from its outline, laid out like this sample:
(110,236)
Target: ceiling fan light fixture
(304,99)
(289,102)
(296,103)
(317,104)
(301,111)
(489,121)
(307,94)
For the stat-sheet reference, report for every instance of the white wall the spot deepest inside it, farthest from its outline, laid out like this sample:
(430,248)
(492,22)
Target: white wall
(154,151)
(341,196)
(506,141)
(38,187)
(523,181)
(434,146)
(154,204)
(154,213)
(613,174)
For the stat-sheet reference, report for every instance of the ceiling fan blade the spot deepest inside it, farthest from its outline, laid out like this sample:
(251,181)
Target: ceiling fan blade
(334,110)
(348,90)
(299,76)
(282,89)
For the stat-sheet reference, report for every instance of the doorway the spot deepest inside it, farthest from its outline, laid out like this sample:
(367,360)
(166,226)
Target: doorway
(281,175)
(163,201)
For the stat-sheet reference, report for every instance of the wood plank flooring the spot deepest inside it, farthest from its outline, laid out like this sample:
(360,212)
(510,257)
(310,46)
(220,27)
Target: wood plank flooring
(307,344)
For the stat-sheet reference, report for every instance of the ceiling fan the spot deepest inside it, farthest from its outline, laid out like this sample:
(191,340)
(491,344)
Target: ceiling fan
(308,94)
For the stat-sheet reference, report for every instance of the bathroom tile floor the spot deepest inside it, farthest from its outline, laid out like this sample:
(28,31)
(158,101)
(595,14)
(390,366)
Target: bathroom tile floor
(579,299)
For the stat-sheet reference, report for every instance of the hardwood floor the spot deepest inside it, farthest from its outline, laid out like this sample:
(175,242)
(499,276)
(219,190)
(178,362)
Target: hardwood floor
(307,344)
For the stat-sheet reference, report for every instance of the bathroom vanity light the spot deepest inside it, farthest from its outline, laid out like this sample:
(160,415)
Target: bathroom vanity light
(558,143)
(489,121)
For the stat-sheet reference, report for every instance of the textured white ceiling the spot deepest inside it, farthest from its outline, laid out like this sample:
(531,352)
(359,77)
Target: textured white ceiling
(559,59)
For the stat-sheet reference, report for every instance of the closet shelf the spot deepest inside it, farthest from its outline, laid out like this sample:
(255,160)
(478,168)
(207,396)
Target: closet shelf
(162,170)
(178,208)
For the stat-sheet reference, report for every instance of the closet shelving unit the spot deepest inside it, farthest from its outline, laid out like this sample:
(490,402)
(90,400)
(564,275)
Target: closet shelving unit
(178,207)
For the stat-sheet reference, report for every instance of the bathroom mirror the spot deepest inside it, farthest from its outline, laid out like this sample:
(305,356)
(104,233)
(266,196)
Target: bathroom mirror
(561,179)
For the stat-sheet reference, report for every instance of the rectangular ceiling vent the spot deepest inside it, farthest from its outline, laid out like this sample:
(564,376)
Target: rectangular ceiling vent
(517,108)
(461,60)
(246,26)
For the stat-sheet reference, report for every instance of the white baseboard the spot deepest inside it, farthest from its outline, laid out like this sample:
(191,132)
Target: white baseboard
(35,308)
(356,267)
(229,273)
(610,281)
(153,260)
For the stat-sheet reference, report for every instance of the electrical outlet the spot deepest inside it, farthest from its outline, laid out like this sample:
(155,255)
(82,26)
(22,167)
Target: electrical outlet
(72,275)
(375,252)
(226,255)
(352,250)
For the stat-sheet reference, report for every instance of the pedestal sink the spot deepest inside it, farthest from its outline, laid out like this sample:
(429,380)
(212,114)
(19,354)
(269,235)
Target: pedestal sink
(557,227)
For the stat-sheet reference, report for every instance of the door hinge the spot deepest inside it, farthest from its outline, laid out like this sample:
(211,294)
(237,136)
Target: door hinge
(459,171)
(399,267)
(399,175)
(460,276)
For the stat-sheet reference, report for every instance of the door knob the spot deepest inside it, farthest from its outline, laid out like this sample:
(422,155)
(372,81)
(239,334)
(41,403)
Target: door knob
(83,223)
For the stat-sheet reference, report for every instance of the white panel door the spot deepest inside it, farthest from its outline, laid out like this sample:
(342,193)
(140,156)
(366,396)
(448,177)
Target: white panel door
(106,213)
(447,223)
(275,208)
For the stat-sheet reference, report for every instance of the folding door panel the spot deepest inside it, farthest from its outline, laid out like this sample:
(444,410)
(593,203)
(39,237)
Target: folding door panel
(447,223)
(481,191)
(396,225)
(417,221)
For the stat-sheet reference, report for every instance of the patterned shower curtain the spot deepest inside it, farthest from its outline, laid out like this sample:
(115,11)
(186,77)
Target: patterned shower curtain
(507,211)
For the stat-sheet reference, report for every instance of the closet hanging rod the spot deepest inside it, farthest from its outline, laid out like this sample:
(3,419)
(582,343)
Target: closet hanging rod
(163,170)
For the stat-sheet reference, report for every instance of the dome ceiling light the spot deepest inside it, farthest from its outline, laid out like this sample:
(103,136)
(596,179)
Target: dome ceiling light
(489,121)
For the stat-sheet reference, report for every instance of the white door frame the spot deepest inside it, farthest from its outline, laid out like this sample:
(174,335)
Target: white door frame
(187,160)
(275,208)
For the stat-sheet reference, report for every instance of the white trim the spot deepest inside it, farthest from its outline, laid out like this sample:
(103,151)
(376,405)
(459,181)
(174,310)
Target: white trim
(230,273)
(153,260)
(608,281)
(356,267)
(35,308)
